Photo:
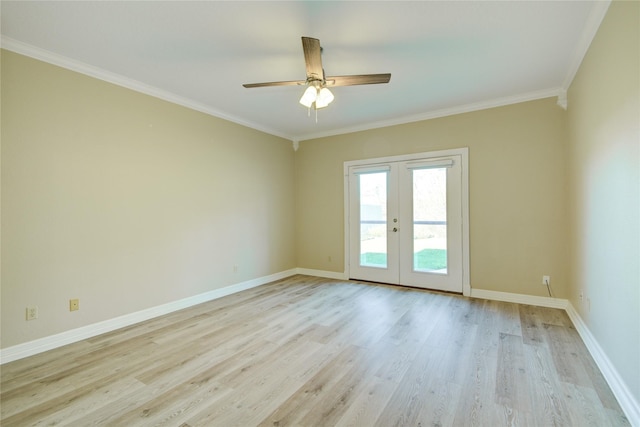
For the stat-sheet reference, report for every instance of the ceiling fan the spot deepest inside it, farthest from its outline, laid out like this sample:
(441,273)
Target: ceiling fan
(317,94)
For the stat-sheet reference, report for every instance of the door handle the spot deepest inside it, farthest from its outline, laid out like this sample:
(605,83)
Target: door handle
(395,229)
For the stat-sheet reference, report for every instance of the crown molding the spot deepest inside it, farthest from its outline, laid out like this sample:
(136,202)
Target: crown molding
(562,99)
(468,108)
(595,18)
(591,27)
(117,79)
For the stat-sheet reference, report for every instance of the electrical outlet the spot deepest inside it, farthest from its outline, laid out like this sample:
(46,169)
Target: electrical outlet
(74,304)
(32,312)
(546,280)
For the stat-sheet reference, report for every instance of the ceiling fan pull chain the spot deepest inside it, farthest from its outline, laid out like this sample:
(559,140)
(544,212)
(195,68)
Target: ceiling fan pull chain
(317,95)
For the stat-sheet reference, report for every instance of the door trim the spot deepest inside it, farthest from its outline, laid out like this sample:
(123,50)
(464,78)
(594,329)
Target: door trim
(464,156)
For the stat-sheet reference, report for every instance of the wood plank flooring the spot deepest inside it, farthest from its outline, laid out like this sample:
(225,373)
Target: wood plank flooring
(307,351)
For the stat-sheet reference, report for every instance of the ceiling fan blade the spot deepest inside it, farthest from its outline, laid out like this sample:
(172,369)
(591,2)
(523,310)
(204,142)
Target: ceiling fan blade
(358,79)
(313,58)
(289,83)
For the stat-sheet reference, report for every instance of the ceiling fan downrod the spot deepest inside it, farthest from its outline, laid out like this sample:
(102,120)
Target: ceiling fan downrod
(317,94)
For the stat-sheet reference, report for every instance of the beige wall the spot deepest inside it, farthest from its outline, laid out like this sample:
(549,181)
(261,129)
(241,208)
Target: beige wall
(517,191)
(604,177)
(128,202)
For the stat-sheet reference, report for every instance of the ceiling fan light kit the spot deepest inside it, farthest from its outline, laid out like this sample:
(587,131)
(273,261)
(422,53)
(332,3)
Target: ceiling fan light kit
(309,96)
(324,98)
(317,95)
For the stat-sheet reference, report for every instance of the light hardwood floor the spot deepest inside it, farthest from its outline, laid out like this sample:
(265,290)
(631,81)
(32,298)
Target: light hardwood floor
(307,351)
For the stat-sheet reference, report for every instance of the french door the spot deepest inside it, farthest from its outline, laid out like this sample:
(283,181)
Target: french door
(405,220)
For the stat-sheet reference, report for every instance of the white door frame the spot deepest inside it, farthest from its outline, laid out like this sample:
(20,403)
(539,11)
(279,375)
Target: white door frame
(464,156)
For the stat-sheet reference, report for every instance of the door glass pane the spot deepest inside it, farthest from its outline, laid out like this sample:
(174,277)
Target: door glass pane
(430,220)
(373,219)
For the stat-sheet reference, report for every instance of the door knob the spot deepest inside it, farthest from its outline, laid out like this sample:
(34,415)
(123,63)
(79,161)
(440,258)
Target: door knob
(395,229)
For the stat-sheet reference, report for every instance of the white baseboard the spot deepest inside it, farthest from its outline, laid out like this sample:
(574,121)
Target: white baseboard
(40,345)
(625,398)
(520,298)
(627,401)
(322,273)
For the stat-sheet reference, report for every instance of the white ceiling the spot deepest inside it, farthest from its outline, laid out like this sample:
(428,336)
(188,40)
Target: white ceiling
(444,56)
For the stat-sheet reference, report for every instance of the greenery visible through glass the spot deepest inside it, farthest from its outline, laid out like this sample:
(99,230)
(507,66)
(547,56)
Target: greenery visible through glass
(424,260)
(373,218)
